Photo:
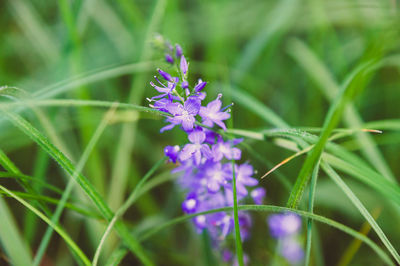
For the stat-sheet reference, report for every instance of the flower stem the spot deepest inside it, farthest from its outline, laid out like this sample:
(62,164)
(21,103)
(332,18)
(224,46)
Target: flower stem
(239,249)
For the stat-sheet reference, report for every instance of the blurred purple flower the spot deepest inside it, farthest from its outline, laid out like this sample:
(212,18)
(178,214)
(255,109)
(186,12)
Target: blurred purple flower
(221,149)
(258,195)
(291,250)
(283,225)
(169,59)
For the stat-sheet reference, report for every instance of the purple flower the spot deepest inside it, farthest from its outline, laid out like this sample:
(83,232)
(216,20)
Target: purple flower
(165,75)
(243,175)
(169,59)
(200,85)
(183,65)
(178,50)
(185,84)
(258,195)
(172,152)
(222,149)
(244,224)
(283,225)
(216,175)
(160,104)
(196,149)
(182,114)
(291,250)
(164,90)
(190,204)
(212,114)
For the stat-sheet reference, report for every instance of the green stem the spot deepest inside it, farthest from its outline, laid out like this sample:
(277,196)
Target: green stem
(238,240)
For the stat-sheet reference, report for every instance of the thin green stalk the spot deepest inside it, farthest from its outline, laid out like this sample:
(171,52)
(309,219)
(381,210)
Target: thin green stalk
(238,240)
(313,186)
(128,203)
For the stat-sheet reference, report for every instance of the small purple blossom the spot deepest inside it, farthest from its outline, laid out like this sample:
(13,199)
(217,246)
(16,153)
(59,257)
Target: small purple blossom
(258,195)
(190,204)
(169,59)
(165,75)
(291,250)
(183,114)
(225,149)
(283,225)
(216,175)
(183,65)
(200,85)
(185,84)
(212,114)
(243,175)
(172,152)
(178,50)
(164,90)
(196,149)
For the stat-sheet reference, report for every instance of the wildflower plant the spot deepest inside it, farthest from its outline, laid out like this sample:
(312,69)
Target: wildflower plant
(208,161)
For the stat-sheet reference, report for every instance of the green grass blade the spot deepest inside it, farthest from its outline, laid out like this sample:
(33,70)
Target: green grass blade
(352,85)
(80,103)
(83,182)
(319,73)
(51,200)
(364,212)
(57,228)
(313,186)
(13,243)
(39,182)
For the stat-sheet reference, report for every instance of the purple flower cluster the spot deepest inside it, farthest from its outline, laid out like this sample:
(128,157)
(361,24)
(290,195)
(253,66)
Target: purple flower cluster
(205,162)
(285,227)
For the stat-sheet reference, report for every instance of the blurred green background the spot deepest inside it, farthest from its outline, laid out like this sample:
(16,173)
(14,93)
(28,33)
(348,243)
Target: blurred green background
(290,55)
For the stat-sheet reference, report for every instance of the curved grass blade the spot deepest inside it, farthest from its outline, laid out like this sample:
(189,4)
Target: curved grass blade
(29,178)
(364,212)
(326,83)
(83,182)
(11,241)
(356,243)
(57,228)
(79,103)
(51,200)
(128,203)
(271,208)
(63,201)
(352,85)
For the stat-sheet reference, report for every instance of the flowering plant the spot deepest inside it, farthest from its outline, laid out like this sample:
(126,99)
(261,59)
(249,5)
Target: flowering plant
(209,161)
